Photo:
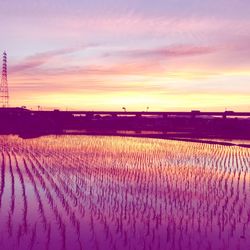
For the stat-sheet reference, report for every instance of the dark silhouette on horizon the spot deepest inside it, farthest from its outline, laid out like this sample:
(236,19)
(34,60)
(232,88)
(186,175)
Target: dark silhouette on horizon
(194,124)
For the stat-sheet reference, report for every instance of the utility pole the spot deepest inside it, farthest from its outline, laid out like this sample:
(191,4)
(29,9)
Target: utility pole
(4,90)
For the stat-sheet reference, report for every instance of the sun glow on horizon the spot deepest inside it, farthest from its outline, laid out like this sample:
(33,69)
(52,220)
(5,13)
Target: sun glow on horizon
(128,54)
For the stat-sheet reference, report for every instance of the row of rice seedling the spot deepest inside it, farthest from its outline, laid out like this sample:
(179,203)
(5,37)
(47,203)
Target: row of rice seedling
(86,192)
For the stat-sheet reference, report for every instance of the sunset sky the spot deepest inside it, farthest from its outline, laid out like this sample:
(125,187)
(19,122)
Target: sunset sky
(109,54)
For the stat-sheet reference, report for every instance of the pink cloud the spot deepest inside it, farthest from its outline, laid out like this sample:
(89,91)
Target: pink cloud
(164,52)
(134,61)
(39,59)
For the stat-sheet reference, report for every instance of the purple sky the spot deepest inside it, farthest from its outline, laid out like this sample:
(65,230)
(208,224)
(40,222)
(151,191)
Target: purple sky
(108,54)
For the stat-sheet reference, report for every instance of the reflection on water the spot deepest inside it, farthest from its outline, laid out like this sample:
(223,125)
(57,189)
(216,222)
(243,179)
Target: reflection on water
(86,192)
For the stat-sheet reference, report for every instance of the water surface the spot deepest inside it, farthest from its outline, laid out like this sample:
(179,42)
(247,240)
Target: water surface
(94,192)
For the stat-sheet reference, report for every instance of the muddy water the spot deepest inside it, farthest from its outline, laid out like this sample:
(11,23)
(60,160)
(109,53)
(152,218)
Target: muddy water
(86,192)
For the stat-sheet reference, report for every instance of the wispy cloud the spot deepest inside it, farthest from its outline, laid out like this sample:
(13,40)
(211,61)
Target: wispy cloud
(123,62)
(164,52)
(39,59)
(145,46)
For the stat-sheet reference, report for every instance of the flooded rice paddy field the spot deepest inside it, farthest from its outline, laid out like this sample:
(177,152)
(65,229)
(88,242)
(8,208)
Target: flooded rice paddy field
(86,192)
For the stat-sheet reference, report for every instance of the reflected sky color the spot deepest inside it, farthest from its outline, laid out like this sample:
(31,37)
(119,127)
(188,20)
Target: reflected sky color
(94,192)
(109,54)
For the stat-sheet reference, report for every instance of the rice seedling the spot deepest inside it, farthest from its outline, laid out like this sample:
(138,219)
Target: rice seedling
(90,192)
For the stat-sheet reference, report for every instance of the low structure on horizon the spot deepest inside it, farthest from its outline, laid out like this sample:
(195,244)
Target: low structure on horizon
(228,124)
